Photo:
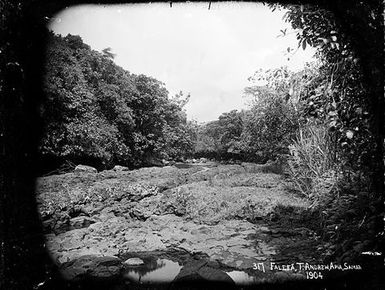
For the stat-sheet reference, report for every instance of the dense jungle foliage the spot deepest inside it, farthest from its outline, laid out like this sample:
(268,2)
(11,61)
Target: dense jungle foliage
(97,113)
(333,158)
(265,130)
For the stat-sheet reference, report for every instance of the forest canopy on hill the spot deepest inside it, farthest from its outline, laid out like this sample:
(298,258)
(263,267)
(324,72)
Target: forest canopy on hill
(99,114)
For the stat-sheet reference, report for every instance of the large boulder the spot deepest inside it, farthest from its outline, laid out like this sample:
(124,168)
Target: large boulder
(85,169)
(120,168)
(134,262)
(92,267)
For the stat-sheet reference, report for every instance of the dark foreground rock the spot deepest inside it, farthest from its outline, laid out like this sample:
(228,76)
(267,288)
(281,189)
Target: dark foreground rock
(92,267)
(198,272)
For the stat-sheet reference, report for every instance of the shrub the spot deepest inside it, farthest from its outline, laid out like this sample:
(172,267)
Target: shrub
(311,161)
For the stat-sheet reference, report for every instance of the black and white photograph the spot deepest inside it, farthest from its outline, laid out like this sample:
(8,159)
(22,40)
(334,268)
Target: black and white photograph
(192,145)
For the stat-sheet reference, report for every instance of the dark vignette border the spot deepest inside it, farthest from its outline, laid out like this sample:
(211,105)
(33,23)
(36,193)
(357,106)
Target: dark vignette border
(24,262)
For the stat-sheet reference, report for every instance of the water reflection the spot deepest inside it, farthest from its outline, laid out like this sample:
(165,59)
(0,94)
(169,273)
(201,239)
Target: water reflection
(242,278)
(154,270)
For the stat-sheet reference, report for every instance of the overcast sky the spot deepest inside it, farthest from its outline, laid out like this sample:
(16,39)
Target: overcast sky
(207,53)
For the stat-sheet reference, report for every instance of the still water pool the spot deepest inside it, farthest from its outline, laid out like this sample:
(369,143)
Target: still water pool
(160,270)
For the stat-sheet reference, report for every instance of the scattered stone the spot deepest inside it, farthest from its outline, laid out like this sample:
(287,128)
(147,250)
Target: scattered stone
(120,168)
(80,222)
(85,169)
(133,262)
(138,214)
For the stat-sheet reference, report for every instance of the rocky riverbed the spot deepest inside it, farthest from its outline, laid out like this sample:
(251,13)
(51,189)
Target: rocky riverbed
(226,218)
